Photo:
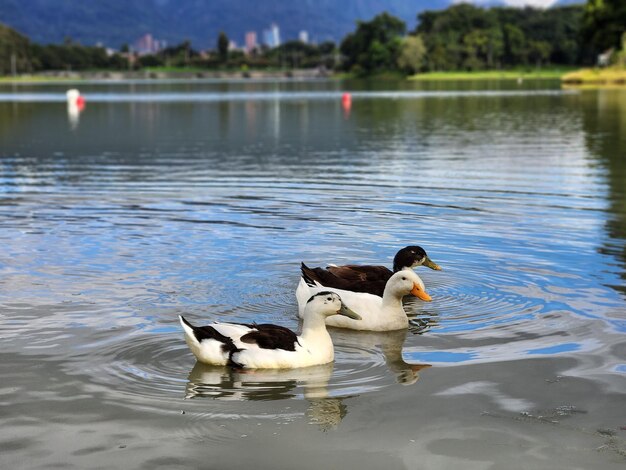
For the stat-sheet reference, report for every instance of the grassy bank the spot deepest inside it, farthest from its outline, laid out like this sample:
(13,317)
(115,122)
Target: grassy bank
(34,79)
(525,74)
(578,76)
(606,76)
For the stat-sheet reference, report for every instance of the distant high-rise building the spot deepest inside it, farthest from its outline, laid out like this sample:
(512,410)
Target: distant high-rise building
(275,34)
(267,38)
(271,36)
(251,43)
(303,36)
(147,44)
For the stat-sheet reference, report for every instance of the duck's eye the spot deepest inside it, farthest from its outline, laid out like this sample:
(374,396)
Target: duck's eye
(329,298)
(404,278)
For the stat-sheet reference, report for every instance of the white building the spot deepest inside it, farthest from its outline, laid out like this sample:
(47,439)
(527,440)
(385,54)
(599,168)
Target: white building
(271,37)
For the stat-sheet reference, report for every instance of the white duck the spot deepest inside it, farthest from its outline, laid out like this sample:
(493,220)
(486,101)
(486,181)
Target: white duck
(269,346)
(377,314)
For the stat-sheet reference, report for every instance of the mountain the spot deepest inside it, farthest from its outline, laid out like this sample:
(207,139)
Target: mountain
(115,22)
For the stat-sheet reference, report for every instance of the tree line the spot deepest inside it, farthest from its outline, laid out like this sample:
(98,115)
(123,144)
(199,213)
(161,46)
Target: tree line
(19,55)
(462,37)
(465,37)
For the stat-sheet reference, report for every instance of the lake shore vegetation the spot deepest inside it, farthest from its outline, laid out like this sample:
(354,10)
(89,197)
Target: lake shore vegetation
(461,42)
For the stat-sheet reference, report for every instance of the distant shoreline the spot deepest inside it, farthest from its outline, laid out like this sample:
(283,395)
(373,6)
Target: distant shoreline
(522,74)
(115,75)
(567,76)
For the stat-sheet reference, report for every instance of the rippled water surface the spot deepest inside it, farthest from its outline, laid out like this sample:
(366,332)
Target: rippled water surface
(203,197)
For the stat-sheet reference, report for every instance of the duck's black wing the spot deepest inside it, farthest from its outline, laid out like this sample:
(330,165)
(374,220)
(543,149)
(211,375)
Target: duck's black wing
(361,272)
(355,278)
(268,336)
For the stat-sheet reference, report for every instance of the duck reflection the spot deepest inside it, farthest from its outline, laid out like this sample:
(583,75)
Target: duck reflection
(311,383)
(271,384)
(390,344)
(421,318)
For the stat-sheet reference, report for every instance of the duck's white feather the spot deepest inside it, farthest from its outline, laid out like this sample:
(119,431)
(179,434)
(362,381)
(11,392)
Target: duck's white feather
(304,355)
(377,314)
(312,347)
(368,306)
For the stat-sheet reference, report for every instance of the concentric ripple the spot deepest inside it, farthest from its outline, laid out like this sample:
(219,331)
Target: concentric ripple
(203,200)
(472,297)
(157,367)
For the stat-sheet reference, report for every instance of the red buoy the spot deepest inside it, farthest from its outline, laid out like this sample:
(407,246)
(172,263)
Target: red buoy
(346,104)
(346,100)
(80,103)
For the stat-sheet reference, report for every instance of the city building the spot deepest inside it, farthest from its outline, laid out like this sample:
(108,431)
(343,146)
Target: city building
(275,34)
(147,44)
(271,36)
(303,36)
(251,43)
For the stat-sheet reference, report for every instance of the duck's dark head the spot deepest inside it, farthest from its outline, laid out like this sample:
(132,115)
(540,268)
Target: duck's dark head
(411,257)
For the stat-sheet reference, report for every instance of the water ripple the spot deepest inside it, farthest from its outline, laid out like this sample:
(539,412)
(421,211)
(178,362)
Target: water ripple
(205,203)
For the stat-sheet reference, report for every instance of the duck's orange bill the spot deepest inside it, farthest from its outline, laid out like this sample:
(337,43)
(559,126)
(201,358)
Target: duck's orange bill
(420,293)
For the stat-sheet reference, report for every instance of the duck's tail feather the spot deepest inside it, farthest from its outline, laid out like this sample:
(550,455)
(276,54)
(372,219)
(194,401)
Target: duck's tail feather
(187,327)
(303,292)
(309,275)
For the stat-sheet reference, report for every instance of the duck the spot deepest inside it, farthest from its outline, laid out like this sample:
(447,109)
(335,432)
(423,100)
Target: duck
(368,278)
(267,346)
(384,313)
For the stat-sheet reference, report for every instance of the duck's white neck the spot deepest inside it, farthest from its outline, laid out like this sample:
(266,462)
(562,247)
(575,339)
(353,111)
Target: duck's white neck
(391,300)
(314,329)
(392,309)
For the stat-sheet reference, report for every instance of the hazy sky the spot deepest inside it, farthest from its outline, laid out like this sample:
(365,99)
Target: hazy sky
(516,3)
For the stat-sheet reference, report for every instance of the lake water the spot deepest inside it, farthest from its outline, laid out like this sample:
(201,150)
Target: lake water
(203,197)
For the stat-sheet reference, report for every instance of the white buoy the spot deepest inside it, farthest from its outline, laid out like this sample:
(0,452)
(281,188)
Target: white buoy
(75,104)
(72,95)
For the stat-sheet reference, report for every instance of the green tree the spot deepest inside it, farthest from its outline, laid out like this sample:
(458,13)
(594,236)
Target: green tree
(412,54)
(604,22)
(515,51)
(465,36)
(495,47)
(15,52)
(476,45)
(151,60)
(222,47)
(436,59)
(374,45)
(539,52)
(377,56)
(326,47)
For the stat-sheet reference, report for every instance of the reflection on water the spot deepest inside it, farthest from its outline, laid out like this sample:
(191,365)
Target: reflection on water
(370,346)
(604,119)
(257,384)
(310,382)
(367,358)
(150,207)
